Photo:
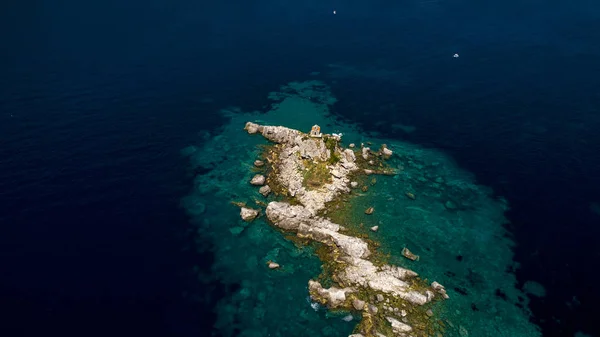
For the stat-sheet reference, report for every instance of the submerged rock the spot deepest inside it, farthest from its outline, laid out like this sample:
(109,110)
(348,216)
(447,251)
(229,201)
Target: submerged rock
(369,210)
(409,255)
(450,205)
(236,230)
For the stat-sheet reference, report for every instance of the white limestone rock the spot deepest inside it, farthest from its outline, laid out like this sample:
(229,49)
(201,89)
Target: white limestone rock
(251,128)
(385,151)
(334,296)
(398,326)
(265,190)
(300,219)
(365,152)
(336,174)
(273,265)
(349,155)
(439,289)
(248,214)
(258,180)
(358,304)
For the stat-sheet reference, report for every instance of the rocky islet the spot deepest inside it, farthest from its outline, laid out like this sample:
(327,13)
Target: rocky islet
(389,298)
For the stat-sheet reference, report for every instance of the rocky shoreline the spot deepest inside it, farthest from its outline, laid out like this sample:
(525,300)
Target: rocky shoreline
(308,171)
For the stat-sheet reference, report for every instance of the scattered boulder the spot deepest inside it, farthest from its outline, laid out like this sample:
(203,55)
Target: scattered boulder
(369,210)
(369,172)
(272,265)
(409,255)
(365,153)
(259,163)
(351,145)
(374,228)
(385,151)
(248,214)
(353,184)
(265,190)
(439,289)
(358,304)
(429,312)
(258,180)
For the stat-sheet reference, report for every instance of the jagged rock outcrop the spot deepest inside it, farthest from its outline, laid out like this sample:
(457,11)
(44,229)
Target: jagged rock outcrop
(298,149)
(334,297)
(300,220)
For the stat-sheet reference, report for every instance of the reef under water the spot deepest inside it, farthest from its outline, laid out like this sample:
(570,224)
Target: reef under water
(430,208)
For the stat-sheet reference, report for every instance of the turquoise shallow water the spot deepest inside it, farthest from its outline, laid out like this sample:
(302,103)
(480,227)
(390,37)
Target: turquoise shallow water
(454,225)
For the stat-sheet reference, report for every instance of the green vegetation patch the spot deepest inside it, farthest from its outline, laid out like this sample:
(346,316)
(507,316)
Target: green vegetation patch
(315,174)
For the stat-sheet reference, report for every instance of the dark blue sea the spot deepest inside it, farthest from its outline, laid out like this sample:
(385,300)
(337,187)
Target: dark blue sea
(97,99)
